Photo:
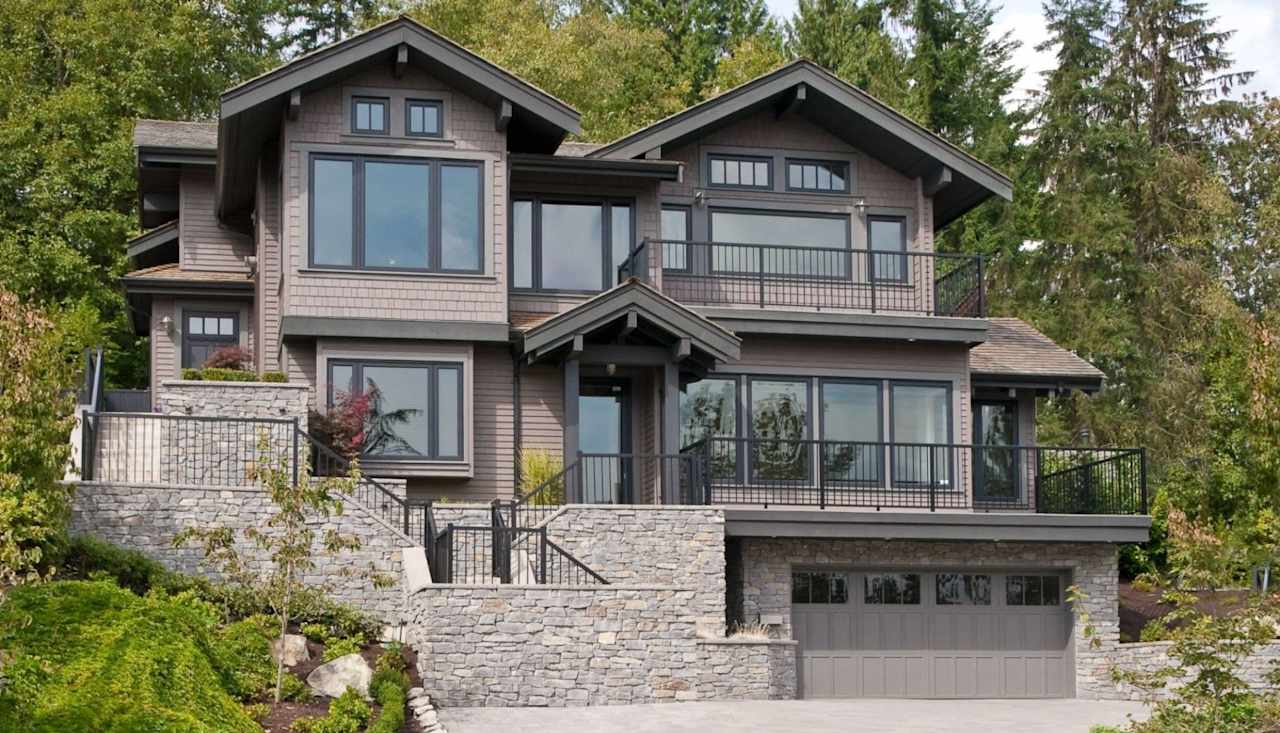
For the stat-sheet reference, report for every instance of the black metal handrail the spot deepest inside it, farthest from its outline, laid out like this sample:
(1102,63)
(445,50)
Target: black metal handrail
(933,476)
(484,555)
(371,493)
(775,275)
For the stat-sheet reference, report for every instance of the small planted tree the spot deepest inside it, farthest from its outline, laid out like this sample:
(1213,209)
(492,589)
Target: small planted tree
(288,541)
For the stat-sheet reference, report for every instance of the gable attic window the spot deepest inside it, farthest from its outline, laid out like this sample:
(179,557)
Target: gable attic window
(422,118)
(369,115)
(740,171)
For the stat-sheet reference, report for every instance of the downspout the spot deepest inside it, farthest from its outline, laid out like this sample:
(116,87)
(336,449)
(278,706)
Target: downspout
(515,416)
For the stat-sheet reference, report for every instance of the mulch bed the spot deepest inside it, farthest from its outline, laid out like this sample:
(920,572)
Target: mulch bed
(1139,607)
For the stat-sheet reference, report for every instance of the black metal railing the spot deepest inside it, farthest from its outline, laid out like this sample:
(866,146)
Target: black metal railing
(498,554)
(770,276)
(126,400)
(183,449)
(411,518)
(926,476)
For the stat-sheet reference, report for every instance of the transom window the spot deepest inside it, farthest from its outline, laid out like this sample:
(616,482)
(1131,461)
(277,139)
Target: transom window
(205,333)
(1031,590)
(814,587)
(739,171)
(963,589)
(818,175)
(573,245)
(413,409)
(891,589)
(423,118)
(369,115)
(396,214)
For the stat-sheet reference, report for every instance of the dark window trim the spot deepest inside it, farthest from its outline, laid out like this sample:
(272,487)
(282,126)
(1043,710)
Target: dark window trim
(435,222)
(956,484)
(735,158)
(433,409)
(796,213)
(688,235)
(872,254)
(386,114)
(437,104)
(232,340)
(609,271)
(831,163)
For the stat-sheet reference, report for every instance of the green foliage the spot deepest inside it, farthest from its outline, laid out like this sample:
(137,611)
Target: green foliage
(293,688)
(391,660)
(275,377)
(341,647)
(258,711)
(347,714)
(315,632)
(243,651)
(1154,630)
(391,689)
(214,374)
(37,362)
(538,467)
(93,656)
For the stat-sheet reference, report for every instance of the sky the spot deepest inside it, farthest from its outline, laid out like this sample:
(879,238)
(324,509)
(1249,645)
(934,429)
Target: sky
(1256,22)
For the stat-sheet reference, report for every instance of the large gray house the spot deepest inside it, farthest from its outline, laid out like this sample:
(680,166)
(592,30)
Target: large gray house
(735,315)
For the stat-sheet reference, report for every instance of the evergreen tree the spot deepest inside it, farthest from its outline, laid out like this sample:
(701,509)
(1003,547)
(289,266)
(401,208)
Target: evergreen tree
(849,38)
(310,24)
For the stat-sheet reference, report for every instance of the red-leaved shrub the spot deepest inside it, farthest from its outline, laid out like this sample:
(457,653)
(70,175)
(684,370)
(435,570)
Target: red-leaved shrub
(229,357)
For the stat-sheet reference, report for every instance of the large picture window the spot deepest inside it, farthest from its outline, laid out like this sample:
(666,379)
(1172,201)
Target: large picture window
(780,426)
(792,244)
(921,430)
(205,332)
(413,409)
(709,411)
(569,245)
(851,431)
(396,214)
(887,242)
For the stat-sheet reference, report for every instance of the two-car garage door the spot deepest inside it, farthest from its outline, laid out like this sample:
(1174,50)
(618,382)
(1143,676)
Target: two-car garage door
(944,634)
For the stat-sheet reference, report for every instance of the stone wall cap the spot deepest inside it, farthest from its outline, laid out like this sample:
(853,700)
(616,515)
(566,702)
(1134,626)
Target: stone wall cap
(649,507)
(748,642)
(215,383)
(169,487)
(513,588)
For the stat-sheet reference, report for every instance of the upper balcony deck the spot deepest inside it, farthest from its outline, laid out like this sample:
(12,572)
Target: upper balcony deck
(811,278)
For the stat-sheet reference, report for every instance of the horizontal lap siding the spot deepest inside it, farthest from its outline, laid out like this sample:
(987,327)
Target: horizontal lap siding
(205,244)
(270,270)
(542,409)
(324,119)
(494,458)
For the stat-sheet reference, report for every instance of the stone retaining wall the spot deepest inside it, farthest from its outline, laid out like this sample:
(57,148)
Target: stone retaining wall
(234,399)
(147,517)
(1149,657)
(582,645)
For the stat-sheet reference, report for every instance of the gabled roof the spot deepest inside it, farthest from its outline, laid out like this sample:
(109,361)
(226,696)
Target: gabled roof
(1015,352)
(961,180)
(198,137)
(251,111)
(650,306)
(151,240)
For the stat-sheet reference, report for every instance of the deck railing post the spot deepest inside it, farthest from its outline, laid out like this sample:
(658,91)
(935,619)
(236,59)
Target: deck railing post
(822,477)
(706,472)
(871,278)
(760,272)
(542,555)
(297,459)
(933,484)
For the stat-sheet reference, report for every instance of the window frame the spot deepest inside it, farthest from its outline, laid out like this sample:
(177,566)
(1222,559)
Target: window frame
(609,269)
(821,425)
(955,482)
(433,408)
(901,254)
(712,243)
(992,597)
(1041,576)
(357,100)
(921,586)
(687,210)
(738,159)
(437,104)
(829,163)
(435,221)
(748,427)
(233,340)
(830,576)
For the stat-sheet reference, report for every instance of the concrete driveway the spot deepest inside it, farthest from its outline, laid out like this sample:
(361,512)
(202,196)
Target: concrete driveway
(809,716)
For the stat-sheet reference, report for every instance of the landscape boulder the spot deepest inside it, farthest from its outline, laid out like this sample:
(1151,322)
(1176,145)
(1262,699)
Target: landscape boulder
(333,678)
(292,648)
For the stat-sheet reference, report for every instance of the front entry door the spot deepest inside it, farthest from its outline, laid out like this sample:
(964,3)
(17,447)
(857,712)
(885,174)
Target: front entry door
(995,465)
(604,413)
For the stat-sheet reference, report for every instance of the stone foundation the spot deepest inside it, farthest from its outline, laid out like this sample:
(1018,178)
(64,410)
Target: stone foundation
(147,518)
(234,399)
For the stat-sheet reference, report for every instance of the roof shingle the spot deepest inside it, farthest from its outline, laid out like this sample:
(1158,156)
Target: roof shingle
(1014,348)
(202,136)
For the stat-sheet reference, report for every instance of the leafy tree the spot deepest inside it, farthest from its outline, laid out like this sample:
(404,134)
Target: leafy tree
(76,74)
(698,34)
(288,538)
(850,38)
(310,24)
(37,370)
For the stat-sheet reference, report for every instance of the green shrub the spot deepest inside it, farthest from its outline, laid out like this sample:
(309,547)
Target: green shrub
(392,659)
(242,652)
(315,632)
(292,688)
(391,689)
(1154,630)
(215,374)
(84,557)
(537,467)
(347,714)
(276,377)
(91,656)
(258,711)
(194,375)
(335,647)
(341,620)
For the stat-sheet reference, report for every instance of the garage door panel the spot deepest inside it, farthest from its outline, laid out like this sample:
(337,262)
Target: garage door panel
(923,649)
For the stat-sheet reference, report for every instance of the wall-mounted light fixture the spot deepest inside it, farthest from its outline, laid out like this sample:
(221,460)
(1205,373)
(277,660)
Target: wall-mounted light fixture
(699,198)
(166,324)
(861,205)
(611,369)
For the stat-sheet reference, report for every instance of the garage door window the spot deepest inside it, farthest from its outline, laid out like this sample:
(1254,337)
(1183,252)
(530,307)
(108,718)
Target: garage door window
(901,589)
(961,589)
(1031,590)
(819,588)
